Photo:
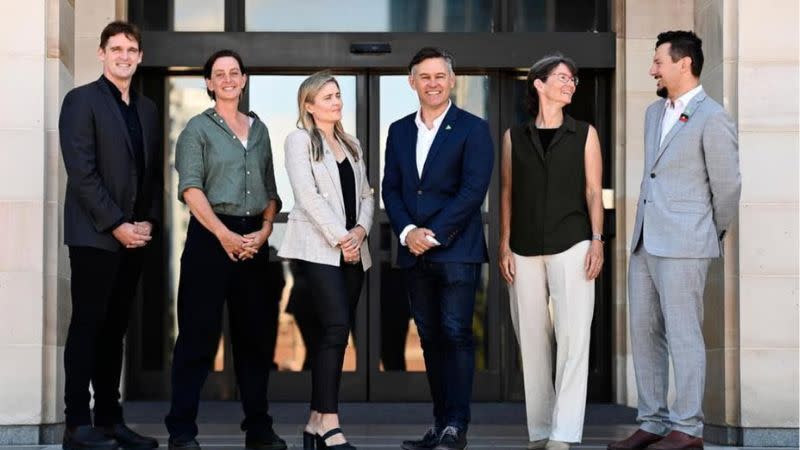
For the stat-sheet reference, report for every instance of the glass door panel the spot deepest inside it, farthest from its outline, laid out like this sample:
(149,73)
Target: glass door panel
(400,349)
(274,99)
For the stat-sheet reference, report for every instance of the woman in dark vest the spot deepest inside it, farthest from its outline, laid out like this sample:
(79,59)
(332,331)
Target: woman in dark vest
(551,249)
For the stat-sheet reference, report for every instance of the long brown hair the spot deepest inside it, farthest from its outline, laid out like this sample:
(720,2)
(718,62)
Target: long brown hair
(308,90)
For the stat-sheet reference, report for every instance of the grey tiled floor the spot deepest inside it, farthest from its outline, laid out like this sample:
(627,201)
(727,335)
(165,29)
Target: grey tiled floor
(378,426)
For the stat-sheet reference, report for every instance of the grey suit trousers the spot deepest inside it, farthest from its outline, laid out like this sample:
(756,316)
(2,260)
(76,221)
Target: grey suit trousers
(666,318)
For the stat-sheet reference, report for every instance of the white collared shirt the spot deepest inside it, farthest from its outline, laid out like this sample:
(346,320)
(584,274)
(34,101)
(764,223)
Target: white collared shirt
(425,139)
(673,111)
(425,136)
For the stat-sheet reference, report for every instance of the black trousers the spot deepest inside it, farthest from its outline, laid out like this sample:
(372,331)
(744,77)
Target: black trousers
(103,287)
(208,279)
(334,292)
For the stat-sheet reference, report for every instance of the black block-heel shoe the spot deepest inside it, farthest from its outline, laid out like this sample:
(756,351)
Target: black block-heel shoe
(321,445)
(309,439)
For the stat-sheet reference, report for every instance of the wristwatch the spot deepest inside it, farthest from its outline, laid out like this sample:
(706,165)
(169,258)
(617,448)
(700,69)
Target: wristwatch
(597,237)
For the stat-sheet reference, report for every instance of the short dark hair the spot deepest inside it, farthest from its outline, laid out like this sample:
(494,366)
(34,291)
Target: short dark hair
(210,65)
(540,70)
(120,27)
(431,52)
(681,44)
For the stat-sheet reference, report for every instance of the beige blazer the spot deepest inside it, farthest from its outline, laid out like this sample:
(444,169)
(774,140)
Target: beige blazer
(317,221)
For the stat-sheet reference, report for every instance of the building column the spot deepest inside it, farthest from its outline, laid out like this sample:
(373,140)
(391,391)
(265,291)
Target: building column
(769,137)
(28,343)
(46,48)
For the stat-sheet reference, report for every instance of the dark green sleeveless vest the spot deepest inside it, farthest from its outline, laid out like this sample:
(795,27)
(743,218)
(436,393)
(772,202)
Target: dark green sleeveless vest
(548,191)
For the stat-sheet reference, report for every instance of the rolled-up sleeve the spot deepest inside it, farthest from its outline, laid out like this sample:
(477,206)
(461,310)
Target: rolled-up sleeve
(269,177)
(189,160)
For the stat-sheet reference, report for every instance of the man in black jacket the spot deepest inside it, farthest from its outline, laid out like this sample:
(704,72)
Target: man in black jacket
(110,141)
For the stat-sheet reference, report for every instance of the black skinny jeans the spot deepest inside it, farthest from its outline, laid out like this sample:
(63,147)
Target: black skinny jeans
(333,292)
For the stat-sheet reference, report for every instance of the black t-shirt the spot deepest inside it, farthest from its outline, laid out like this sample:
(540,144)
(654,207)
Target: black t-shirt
(348,181)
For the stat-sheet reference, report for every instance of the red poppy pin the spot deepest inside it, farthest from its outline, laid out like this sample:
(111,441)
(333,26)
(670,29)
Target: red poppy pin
(684,118)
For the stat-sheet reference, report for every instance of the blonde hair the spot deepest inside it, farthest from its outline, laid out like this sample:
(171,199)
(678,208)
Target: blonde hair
(305,94)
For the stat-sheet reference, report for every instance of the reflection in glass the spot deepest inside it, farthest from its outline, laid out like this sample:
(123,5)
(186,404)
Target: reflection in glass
(400,344)
(552,15)
(274,99)
(370,15)
(398,100)
(187,97)
(199,15)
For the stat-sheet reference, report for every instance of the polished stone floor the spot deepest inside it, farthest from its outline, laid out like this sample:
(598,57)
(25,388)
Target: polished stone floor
(378,425)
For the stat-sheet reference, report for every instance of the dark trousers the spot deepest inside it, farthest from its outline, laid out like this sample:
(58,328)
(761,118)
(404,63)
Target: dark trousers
(442,299)
(208,279)
(334,292)
(103,287)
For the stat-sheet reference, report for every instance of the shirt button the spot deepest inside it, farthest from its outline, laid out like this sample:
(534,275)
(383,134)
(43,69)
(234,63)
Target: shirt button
(220,120)
(645,202)
(248,192)
(247,212)
(419,192)
(652,175)
(248,172)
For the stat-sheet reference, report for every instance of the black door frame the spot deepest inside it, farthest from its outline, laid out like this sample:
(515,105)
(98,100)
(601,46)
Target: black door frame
(496,54)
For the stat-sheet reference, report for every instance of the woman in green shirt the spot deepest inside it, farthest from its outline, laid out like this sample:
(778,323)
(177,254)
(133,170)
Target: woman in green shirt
(226,178)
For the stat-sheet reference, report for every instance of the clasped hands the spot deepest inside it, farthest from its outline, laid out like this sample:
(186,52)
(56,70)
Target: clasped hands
(133,235)
(243,247)
(420,240)
(350,244)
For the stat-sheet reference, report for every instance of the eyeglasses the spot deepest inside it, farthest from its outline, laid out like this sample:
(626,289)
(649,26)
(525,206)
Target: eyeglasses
(564,78)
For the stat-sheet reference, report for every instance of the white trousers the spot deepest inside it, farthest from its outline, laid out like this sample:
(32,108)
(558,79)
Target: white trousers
(554,412)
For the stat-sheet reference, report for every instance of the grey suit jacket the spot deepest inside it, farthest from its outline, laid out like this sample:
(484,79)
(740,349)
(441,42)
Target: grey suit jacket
(317,221)
(691,183)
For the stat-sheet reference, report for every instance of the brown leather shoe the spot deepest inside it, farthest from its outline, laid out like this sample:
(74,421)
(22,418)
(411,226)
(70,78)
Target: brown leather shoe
(676,440)
(637,441)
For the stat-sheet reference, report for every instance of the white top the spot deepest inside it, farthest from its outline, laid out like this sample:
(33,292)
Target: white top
(425,138)
(672,111)
(244,141)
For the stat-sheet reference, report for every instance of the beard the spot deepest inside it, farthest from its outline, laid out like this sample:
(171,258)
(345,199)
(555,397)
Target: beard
(662,92)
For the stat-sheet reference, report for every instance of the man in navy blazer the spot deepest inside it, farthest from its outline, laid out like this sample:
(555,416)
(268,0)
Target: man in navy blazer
(438,167)
(111,144)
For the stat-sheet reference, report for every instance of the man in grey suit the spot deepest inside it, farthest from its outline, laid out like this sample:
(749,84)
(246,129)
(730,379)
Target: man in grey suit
(689,196)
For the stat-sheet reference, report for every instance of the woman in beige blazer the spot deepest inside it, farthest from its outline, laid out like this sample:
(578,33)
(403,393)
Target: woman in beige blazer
(326,239)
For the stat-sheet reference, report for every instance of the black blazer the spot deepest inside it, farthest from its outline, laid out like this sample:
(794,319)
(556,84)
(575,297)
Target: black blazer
(101,167)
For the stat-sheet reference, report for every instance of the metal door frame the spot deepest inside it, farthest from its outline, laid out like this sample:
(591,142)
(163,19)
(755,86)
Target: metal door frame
(496,54)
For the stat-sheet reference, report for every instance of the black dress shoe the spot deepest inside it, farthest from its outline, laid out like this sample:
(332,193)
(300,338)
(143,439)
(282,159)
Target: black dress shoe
(183,444)
(87,437)
(428,441)
(452,439)
(264,440)
(127,438)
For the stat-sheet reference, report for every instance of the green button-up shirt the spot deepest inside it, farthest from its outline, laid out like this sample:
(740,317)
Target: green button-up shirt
(237,181)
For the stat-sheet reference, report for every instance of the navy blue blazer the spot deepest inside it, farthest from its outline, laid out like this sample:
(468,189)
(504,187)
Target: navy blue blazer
(101,168)
(447,198)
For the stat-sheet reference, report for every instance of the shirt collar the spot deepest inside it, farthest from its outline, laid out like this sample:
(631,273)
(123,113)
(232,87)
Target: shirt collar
(684,99)
(115,90)
(436,122)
